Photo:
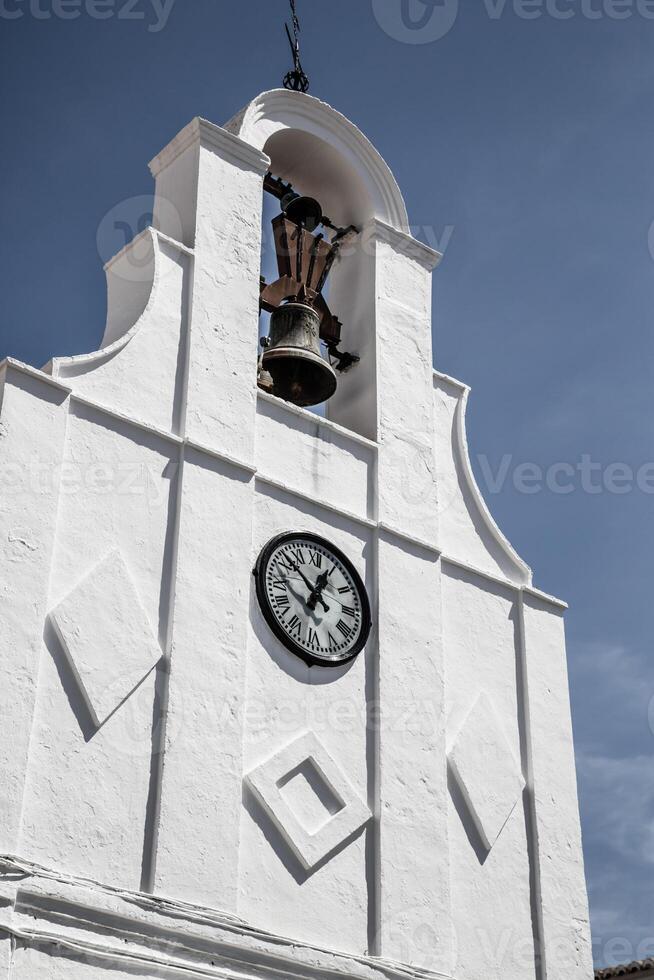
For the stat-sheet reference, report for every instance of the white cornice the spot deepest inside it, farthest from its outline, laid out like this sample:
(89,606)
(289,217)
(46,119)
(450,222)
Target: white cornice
(405,244)
(504,583)
(323,424)
(440,378)
(206,134)
(82,918)
(282,109)
(545,598)
(520,573)
(271,481)
(408,538)
(525,587)
(9,364)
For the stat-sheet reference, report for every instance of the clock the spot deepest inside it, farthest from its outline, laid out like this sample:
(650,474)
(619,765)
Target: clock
(312,598)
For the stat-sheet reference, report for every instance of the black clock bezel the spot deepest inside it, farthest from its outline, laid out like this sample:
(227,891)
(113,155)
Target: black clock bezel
(259,572)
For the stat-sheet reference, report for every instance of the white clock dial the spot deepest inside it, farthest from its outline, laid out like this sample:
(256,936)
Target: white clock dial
(313,598)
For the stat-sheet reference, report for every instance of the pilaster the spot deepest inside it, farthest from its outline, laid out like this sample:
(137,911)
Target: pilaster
(414,900)
(33,413)
(560,883)
(213,180)
(201,763)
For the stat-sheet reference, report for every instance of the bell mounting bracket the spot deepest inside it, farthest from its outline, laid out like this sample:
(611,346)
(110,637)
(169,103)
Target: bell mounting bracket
(304,261)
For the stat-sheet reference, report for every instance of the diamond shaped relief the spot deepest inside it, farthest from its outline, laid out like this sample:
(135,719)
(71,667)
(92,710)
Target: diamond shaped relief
(107,636)
(309,799)
(486,770)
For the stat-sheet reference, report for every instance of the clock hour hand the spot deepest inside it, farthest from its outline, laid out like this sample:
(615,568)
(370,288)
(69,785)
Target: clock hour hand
(315,593)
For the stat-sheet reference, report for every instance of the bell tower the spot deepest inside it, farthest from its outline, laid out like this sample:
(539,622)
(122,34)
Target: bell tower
(278,699)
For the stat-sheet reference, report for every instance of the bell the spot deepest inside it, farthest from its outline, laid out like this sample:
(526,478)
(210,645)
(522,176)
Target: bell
(303,211)
(292,357)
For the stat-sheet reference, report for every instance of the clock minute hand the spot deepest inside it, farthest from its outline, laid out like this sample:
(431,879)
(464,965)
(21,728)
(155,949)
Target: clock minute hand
(310,586)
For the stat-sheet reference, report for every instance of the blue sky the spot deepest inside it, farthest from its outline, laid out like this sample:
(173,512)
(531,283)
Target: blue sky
(523,141)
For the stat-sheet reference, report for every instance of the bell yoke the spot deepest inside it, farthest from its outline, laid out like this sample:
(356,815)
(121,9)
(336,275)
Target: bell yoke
(292,366)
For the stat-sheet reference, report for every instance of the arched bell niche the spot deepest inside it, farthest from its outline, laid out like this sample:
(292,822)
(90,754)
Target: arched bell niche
(323,155)
(319,170)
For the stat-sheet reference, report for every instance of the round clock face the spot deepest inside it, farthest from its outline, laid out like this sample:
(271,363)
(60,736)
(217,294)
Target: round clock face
(313,598)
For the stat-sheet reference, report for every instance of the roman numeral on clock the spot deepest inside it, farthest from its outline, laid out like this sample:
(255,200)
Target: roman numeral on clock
(315,558)
(295,627)
(282,604)
(348,611)
(312,638)
(344,629)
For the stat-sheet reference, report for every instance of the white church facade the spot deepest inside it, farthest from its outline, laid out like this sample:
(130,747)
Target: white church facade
(278,698)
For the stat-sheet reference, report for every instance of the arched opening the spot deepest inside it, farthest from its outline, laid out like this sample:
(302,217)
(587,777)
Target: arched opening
(325,156)
(316,169)
(319,170)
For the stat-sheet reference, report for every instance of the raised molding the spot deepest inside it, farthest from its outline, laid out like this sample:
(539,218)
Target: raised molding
(173,242)
(279,109)
(486,770)
(111,413)
(127,929)
(403,243)
(206,134)
(105,631)
(73,366)
(311,846)
(394,532)
(10,363)
(83,363)
(544,597)
(322,504)
(449,380)
(319,420)
(523,574)
(504,583)
(239,464)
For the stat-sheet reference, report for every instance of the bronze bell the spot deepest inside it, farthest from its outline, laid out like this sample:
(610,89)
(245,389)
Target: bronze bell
(292,356)
(303,211)
(291,366)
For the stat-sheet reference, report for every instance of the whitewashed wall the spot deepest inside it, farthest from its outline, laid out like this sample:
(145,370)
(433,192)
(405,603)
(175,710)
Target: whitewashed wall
(142,689)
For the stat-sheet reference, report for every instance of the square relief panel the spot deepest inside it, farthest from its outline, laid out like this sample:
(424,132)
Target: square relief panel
(309,799)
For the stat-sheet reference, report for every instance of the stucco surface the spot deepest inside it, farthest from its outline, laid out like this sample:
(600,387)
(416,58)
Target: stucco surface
(5,951)
(284,699)
(32,964)
(86,799)
(492,891)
